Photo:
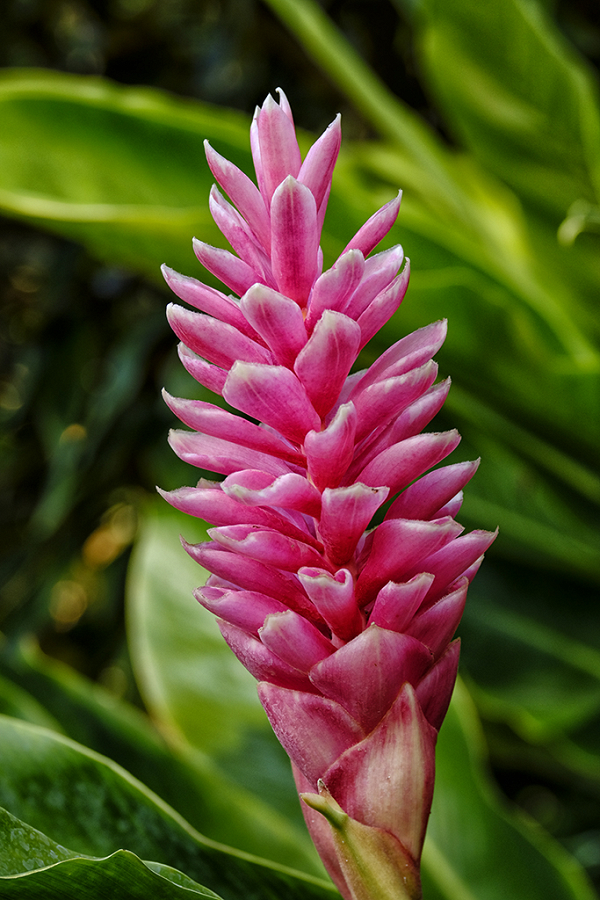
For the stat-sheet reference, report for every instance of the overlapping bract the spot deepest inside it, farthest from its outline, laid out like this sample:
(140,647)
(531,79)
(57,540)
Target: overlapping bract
(348,629)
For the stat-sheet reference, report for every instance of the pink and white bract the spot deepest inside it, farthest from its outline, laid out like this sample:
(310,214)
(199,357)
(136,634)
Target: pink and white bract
(347,628)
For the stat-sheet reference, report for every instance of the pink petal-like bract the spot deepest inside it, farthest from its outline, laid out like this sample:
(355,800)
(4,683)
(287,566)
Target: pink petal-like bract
(338,574)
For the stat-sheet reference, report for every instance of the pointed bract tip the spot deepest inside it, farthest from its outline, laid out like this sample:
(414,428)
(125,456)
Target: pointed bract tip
(169,274)
(336,124)
(285,104)
(167,495)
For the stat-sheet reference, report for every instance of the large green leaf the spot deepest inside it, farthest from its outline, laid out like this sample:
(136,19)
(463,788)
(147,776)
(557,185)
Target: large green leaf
(25,848)
(164,648)
(122,171)
(34,866)
(517,95)
(188,780)
(120,875)
(87,803)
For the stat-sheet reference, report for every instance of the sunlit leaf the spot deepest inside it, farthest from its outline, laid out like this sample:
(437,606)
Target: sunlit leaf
(517,96)
(120,190)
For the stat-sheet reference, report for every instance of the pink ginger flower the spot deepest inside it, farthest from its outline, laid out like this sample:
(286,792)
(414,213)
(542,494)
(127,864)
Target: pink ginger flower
(348,628)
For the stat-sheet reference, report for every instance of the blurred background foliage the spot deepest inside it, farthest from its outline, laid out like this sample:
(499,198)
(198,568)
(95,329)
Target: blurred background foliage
(487,116)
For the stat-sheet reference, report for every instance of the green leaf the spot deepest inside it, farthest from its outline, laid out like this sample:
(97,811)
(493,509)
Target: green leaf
(120,875)
(517,96)
(25,848)
(195,689)
(26,851)
(120,191)
(188,781)
(168,630)
(34,866)
(476,850)
(89,804)
(17,702)
(549,692)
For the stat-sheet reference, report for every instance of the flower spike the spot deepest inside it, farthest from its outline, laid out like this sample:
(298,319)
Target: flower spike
(339,571)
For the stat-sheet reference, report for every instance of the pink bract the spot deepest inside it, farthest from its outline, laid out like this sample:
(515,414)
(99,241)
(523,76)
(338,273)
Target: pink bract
(347,627)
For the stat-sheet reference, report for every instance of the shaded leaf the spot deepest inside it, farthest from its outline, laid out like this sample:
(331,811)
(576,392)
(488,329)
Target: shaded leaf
(24,848)
(188,781)
(89,804)
(26,851)
(122,875)
(541,679)
(17,702)
(475,848)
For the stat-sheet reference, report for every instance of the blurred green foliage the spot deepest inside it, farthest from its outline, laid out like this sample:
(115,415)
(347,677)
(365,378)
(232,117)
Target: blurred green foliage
(487,115)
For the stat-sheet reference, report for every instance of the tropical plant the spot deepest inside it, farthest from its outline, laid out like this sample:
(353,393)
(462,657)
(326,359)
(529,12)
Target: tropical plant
(501,231)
